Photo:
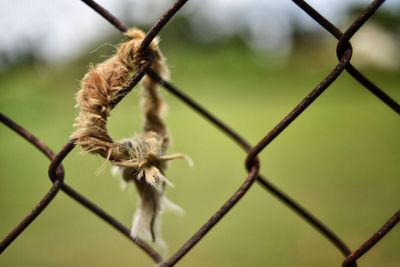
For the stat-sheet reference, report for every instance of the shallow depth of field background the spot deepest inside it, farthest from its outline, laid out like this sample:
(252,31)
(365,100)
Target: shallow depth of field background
(339,159)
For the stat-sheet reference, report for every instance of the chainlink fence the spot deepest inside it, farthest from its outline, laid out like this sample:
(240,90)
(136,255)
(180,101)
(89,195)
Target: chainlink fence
(344,54)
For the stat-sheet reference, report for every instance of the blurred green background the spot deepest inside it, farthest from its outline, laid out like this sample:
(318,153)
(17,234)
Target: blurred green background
(339,159)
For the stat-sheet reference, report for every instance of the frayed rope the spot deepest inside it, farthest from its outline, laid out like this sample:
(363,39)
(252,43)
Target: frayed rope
(141,158)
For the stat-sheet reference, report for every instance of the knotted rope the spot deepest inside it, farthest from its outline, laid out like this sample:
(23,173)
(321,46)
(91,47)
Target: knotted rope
(141,158)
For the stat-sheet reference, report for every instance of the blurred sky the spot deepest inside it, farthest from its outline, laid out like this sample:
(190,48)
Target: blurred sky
(59,30)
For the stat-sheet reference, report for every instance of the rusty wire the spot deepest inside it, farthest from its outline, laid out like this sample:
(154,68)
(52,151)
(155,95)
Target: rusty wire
(344,52)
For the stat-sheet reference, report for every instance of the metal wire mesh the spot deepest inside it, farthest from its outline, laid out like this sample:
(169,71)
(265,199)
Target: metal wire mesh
(344,54)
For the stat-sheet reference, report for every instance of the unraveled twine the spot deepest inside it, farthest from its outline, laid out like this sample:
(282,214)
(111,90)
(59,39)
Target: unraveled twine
(141,158)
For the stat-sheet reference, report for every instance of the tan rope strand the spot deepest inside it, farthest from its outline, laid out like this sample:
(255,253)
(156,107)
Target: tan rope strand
(143,155)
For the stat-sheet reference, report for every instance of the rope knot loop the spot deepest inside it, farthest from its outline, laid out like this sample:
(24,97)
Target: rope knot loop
(141,158)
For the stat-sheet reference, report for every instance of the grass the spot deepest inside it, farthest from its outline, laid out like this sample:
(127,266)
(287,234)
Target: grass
(339,159)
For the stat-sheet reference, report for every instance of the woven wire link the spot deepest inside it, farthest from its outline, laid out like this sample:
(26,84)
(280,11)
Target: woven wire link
(344,52)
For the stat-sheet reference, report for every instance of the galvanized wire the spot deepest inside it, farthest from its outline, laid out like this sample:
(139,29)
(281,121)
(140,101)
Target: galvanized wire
(344,53)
